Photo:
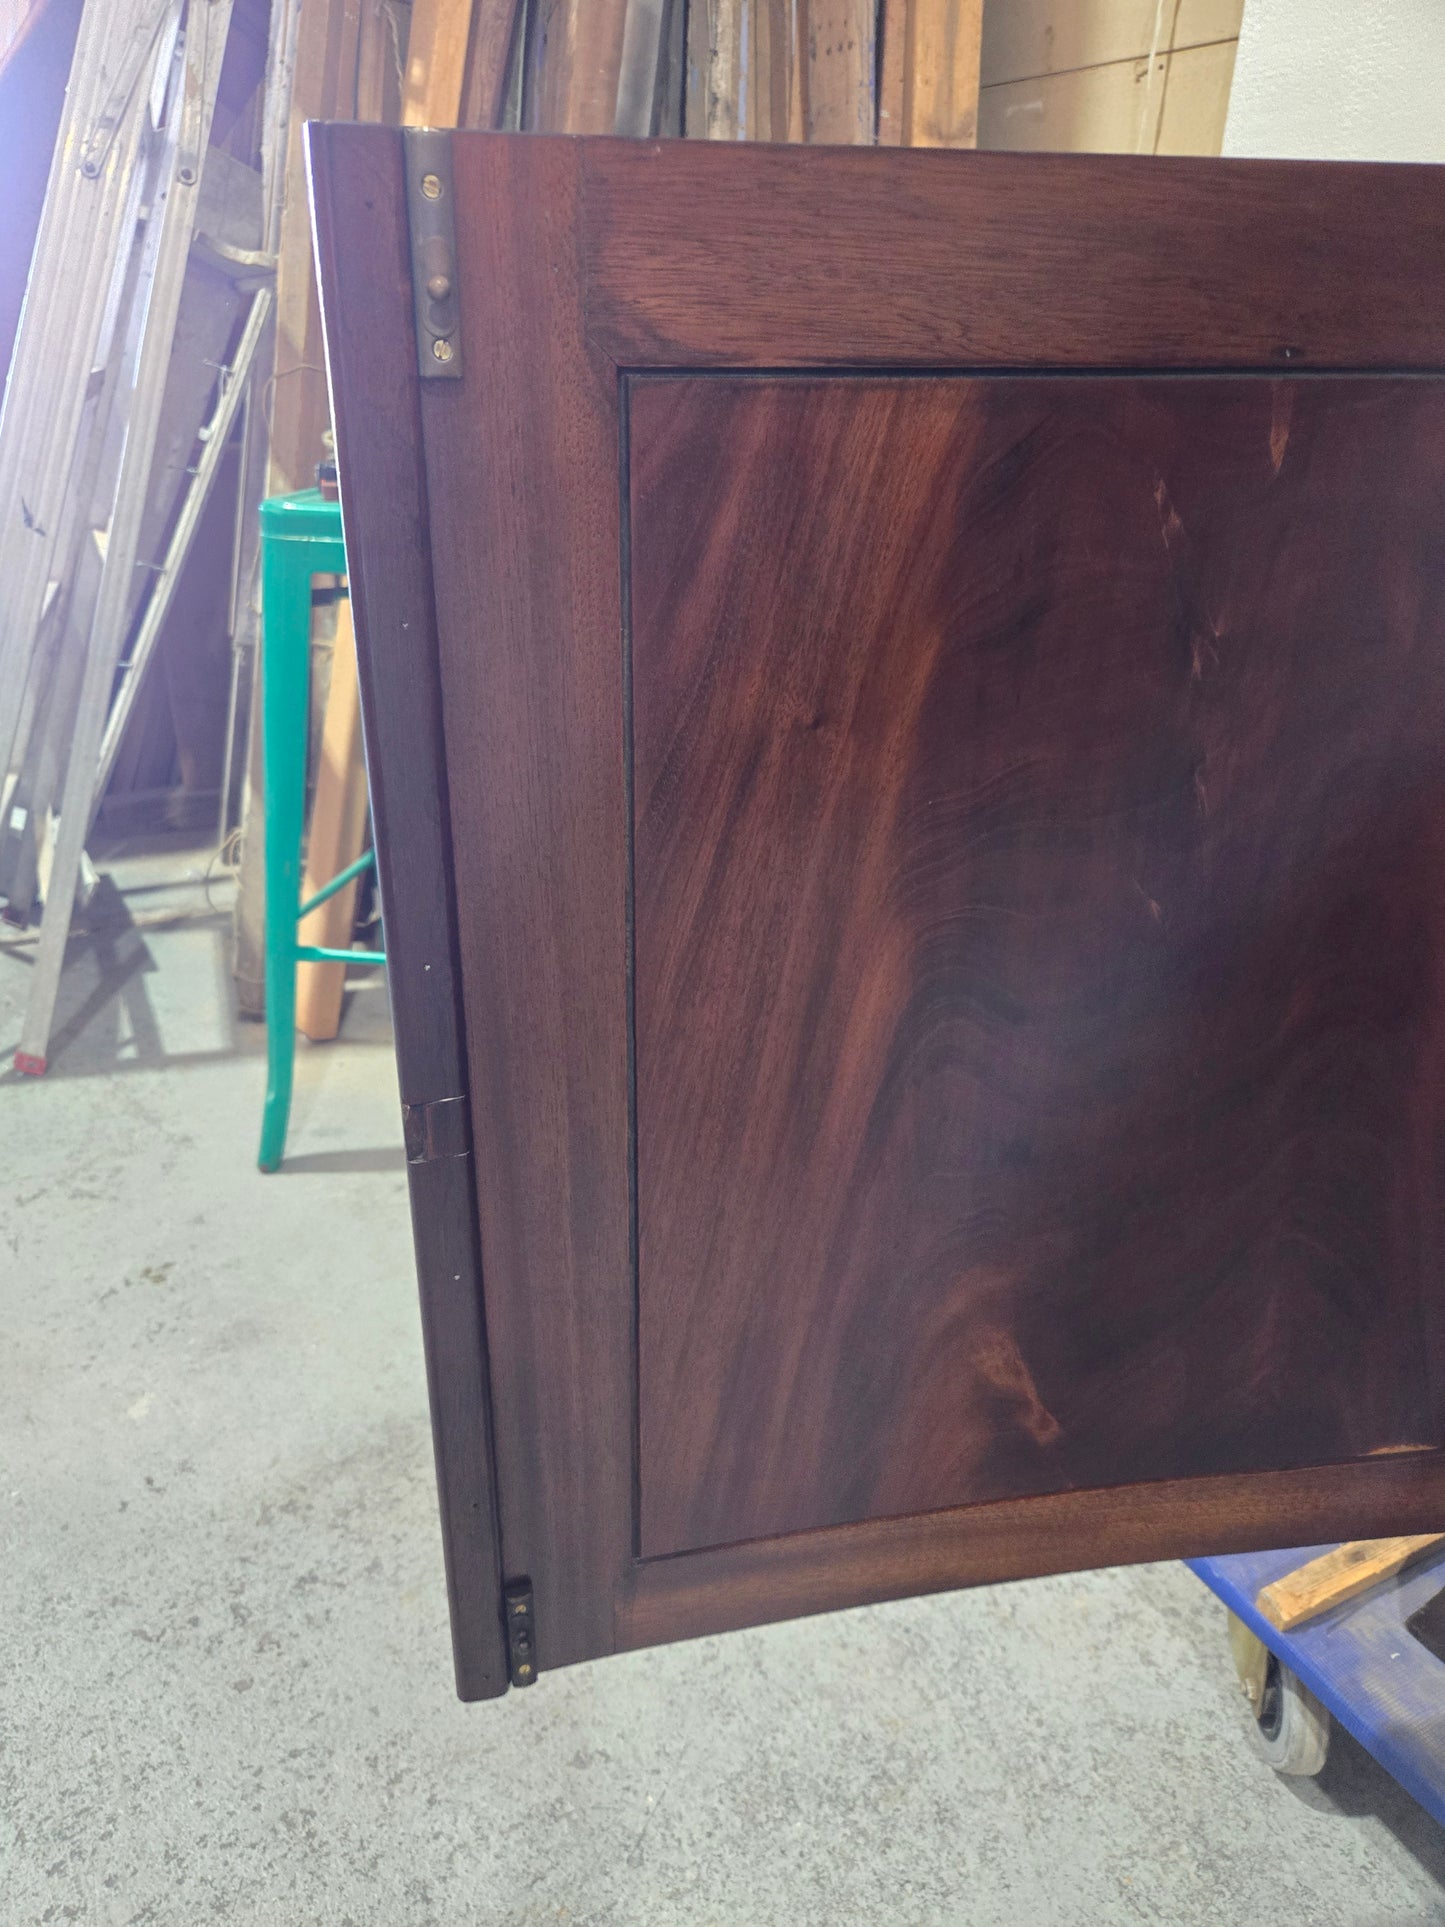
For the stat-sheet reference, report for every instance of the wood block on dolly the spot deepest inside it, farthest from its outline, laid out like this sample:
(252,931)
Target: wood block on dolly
(1337,1576)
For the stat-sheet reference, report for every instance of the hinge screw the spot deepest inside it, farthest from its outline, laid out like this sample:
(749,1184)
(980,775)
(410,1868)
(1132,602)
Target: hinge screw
(431,186)
(442,350)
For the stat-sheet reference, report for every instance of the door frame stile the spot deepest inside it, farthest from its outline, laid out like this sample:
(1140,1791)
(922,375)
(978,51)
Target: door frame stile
(367,304)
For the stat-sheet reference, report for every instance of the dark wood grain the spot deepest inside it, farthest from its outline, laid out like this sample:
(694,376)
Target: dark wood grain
(705,255)
(812,1572)
(1036,800)
(364,274)
(522,460)
(1040,999)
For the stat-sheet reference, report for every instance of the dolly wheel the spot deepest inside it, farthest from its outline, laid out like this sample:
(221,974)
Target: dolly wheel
(1292,1729)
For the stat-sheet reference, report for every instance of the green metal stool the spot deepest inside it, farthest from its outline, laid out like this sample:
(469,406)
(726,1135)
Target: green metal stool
(300,538)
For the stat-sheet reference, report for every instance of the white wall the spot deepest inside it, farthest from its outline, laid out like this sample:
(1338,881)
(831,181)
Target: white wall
(1340,80)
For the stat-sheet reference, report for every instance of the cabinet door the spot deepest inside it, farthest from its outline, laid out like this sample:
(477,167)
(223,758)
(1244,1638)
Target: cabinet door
(941,663)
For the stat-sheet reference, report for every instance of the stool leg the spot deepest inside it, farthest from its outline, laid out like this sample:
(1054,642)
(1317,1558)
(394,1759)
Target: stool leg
(285,692)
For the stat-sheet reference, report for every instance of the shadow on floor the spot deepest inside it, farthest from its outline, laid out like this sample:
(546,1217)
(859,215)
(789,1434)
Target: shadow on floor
(104,1018)
(379,1157)
(1355,1786)
(119,1011)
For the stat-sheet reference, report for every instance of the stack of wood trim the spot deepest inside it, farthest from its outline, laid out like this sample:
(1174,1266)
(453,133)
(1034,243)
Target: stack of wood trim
(834,72)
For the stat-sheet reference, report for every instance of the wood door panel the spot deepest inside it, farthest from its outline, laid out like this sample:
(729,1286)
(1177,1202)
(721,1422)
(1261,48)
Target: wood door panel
(916,960)
(735,255)
(1038,996)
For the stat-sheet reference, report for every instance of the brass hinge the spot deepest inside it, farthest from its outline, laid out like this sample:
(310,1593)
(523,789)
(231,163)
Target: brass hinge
(436,1130)
(432,221)
(521,1621)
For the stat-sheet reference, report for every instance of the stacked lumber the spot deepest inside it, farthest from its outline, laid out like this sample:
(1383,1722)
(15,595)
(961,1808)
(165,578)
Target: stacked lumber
(781,70)
(835,72)
(139,378)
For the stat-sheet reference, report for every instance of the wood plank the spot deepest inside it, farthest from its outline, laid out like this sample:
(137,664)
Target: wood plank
(576,48)
(336,837)
(841,97)
(489,57)
(639,87)
(746,70)
(672,89)
(436,57)
(892,71)
(777,87)
(696,65)
(363,250)
(1072,261)
(380,65)
(938,88)
(324,88)
(1339,1576)
(715,79)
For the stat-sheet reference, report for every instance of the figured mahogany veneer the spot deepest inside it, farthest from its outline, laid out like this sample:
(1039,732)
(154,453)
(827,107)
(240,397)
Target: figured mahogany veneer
(1040,988)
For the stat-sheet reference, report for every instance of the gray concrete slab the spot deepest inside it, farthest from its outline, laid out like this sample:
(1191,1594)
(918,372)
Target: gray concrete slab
(224,1676)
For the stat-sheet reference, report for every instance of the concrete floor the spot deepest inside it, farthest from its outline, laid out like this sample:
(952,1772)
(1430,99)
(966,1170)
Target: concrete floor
(224,1677)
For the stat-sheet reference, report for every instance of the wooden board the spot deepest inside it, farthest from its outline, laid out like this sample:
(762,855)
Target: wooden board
(747,65)
(1057,260)
(928,90)
(576,56)
(325,84)
(944,845)
(489,56)
(841,93)
(1336,1577)
(436,59)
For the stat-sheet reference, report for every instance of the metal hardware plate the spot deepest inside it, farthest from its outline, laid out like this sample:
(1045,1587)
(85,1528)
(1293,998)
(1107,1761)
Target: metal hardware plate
(429,198)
